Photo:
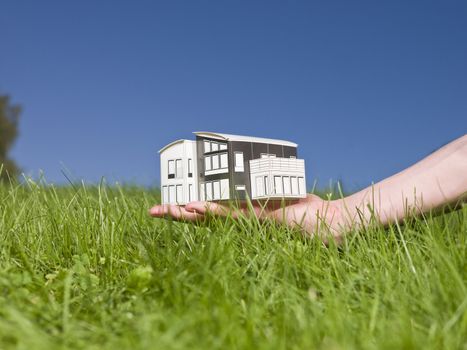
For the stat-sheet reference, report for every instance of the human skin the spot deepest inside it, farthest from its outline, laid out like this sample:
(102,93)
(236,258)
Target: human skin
(437,180)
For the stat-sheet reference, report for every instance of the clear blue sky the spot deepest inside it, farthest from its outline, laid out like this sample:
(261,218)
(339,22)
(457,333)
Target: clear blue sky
(365,88)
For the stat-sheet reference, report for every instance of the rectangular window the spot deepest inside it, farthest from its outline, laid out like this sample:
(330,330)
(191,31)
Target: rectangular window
(225,190)
(214,146)
(207,163)
(224,161)
(294,182)
(239,167)
(240,187)
(266,185)
(180,194)
(179,169)
(190,192)
(208,191)
(190,167)
(259,186)
(171,169)
(278,185)
(222,146)
(301,185)
(215,162)
(286,181)
(165,195)
(217,189)
(207,146)
(171,194)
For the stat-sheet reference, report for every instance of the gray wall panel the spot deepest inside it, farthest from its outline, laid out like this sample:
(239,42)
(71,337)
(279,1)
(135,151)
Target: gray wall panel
(250,151)
(275,149)
(290,151)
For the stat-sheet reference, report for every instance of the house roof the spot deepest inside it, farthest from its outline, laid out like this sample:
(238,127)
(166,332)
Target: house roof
(172,144)
(229,137)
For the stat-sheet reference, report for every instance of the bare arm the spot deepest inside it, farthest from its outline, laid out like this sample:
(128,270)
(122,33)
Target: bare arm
(439,179)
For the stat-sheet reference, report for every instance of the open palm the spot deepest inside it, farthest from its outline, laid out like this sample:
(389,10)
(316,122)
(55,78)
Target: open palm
(313,214)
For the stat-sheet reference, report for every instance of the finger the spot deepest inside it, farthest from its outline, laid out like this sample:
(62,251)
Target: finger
(175,212)
(224,210)
(218,210)
(208,208)
(181,214)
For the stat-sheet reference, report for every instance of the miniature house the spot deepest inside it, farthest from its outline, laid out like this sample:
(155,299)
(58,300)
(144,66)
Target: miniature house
(221,167)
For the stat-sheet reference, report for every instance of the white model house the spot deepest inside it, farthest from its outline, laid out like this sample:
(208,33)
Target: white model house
(221,167)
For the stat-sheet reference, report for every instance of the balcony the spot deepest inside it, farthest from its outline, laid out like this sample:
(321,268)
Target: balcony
(277,164)
(277,178)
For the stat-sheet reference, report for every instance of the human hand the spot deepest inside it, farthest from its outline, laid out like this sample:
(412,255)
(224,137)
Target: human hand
(313,214)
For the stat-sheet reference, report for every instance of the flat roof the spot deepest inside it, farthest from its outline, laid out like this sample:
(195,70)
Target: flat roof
(229,137)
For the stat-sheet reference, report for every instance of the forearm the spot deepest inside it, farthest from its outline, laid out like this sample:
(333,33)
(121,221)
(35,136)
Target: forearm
(438,179)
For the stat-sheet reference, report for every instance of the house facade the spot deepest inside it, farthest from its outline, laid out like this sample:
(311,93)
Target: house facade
(232,167)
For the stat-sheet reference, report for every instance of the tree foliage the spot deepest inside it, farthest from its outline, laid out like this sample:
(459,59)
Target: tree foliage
(9,117)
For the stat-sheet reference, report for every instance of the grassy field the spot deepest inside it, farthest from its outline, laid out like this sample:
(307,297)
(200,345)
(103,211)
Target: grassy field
(85,267)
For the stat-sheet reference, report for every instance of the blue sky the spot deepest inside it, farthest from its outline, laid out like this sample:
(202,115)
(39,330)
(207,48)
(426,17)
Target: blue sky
(365,88)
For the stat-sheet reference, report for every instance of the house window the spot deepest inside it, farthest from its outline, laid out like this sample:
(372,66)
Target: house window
(179,169)
(171,169)
(239,166)
(225,189)
(207,146)
(190,192)
(217,189)
(266,185)
(208,191)
(165,195)
(171,198)
(179,194)
(240,187)
(214,190)
(301,185)
(222,146)
(190,167)
(286,180)
(215,162)
(278,185)
(214,146)
(224,160)
(259,186)
(207,163)
(294,183)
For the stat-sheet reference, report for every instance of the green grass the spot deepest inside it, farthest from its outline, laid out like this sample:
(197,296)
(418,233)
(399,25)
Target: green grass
(85,267)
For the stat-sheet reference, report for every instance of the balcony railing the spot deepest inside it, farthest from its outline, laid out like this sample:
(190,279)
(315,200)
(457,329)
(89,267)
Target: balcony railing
(277,164)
